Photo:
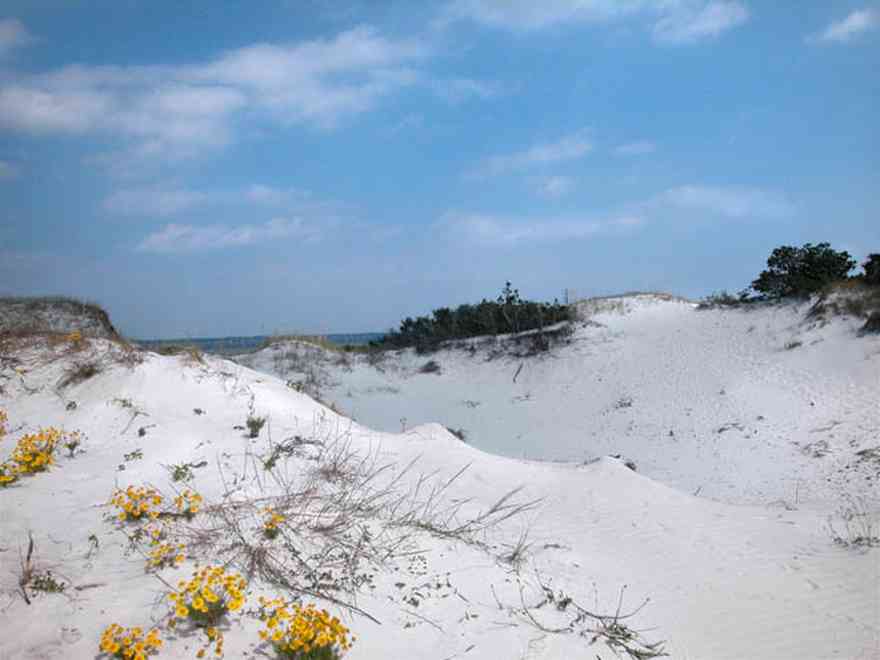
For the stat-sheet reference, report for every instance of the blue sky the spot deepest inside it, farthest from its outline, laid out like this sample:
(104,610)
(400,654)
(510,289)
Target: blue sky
(207,169)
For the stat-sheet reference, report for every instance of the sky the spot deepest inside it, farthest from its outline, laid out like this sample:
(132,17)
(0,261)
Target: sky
(212,168)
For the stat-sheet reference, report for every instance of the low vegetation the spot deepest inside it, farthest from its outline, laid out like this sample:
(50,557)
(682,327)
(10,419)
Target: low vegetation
(812,270)
(507,314)
(802,271)
(255,425)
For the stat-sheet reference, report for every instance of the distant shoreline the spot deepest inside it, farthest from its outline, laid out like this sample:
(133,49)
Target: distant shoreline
(236,345)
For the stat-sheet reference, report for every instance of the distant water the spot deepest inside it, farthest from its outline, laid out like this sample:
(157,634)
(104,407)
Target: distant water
(238,345)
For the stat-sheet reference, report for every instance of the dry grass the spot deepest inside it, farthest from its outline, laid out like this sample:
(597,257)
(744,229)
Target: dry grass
(347,516)
(33,314)
(846,298)
(313,340)
(610,628)
(860,529)
(79,372)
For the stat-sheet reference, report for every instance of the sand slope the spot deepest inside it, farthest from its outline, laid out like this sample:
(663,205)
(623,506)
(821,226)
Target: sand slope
(705,401)
(725,580)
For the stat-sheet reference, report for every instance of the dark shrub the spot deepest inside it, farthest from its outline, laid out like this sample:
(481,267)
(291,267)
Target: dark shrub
(872,270)
(79,373)
(430,367)
(255,424)
(508,313)
(801,271)
(872,325)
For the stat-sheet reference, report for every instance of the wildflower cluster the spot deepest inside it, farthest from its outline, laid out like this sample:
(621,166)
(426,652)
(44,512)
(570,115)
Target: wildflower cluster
(74,337)
(303,633)
(208,596)
(166,554)
(3,419)
(188,503)
(34,452)
(129,643)
(137,503)
(271,522)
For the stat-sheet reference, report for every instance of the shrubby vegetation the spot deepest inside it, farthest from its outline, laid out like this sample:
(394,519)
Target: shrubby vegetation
(872,270)
(802,271)
(507,314)
(799,272)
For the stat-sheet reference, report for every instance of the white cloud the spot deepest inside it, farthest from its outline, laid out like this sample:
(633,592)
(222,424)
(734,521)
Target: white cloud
(675,21)
(530,15)
(13,35)
(458,90)
(175,238)
(552,187)
(7,170)
(571,147)
(689,25)
(493,230)
(640,148)
(733,201)
(165,200)
(184,110)
(848,29)
(153,201)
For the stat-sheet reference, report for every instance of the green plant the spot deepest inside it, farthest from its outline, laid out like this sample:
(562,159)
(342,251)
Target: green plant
(72,443)
(184,471)
(47,583)
(801,271)
(508,313)
(135,455)
(872,269)
(254,425)
(722,299)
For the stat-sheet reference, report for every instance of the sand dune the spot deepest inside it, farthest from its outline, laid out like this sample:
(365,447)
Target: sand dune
(766,436)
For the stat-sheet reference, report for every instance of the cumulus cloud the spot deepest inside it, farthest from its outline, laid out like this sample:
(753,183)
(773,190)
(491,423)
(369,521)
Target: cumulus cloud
(13,35)
(499,231)
(849,28)
(183,110)
(179,238)
(732,202)
(690,25)
(570,147)
(640,148)
(164,200)
(675,21)
(530,15)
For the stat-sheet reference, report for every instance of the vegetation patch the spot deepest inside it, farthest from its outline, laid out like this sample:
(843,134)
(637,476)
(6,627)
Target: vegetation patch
(79,373)
(507,314)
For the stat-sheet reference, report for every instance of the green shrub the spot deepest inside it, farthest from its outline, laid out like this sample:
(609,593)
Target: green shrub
(255,424)
(507,314)
(802,271)
(872,270)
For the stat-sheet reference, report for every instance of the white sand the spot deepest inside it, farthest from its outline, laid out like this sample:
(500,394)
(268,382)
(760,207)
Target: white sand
(731,573)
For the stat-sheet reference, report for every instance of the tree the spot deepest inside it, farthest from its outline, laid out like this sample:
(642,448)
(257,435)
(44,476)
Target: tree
(872,270)
(800,271)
